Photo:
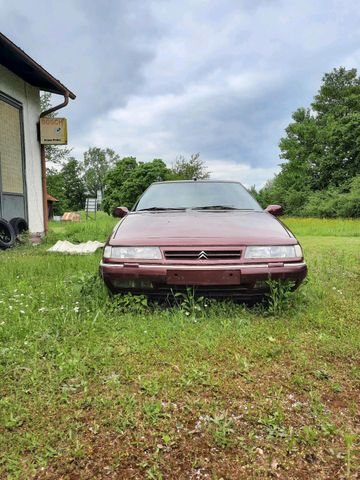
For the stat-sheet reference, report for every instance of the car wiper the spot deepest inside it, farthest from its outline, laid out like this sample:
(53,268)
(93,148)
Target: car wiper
(157,209)
(218,207)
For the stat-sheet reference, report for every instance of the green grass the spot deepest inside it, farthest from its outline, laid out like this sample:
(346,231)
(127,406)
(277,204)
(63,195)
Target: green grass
(92,388)
(329,227)
(83,231)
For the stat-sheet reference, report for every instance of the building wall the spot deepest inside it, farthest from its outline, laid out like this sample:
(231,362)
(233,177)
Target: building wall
(29,97)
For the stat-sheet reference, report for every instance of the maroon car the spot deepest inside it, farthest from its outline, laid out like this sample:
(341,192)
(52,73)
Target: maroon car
(208,234)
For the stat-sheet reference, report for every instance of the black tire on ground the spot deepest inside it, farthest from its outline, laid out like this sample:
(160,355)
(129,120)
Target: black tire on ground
(7,235)
(19,225)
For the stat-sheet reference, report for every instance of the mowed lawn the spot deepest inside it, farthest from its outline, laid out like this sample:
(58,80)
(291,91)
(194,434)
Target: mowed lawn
(97,389)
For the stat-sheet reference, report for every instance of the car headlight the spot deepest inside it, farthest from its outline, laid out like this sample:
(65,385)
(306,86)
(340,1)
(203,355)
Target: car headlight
(144,253)
(276,251)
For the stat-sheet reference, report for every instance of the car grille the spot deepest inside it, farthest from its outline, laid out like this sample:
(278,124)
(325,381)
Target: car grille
(202,254)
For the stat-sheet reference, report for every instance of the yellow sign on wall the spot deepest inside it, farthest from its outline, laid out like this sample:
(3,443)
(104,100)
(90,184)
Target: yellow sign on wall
(53,131)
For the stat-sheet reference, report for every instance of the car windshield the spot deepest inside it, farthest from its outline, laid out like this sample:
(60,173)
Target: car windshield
(197,195)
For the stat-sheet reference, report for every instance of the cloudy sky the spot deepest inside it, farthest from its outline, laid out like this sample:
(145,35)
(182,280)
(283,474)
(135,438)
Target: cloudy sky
(155,79)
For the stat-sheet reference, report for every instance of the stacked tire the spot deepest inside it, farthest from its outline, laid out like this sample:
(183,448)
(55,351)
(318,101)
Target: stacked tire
(10,230)
(19,225)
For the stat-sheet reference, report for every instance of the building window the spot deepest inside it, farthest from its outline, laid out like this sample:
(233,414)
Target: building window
(12,198)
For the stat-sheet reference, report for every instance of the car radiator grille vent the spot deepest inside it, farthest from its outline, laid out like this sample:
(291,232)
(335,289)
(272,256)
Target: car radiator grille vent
(202,254)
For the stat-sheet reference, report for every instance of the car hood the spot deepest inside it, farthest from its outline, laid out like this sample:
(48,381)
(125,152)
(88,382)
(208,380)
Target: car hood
(205,228)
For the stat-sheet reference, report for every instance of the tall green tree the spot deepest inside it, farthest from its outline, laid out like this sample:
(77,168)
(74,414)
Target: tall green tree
(128,179)
(73,185)
(67,186)
(321,146)
(337,113)
(97,163)
(55,187)
(187,169)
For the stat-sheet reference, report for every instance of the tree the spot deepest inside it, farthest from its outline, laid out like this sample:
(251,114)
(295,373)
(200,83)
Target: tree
(321,147)
(115,178)
(128,179)
(73,185)
(141,178)
(336,110)
(183,169)
(54,154)
(55,187)
(97,162)
(67,186)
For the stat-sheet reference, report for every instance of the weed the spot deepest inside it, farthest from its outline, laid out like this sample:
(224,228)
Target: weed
(152,411)
(308,435)
(279,296)
(196,377)
(154,473)
(274,422)
(322,375)
(350,451)
(223,430)
(336,387)
(127,418)
(191,305)
(150,387)
(300,381)
(129,303)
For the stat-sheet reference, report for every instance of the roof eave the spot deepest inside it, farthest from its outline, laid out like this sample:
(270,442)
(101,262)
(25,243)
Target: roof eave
(58,87)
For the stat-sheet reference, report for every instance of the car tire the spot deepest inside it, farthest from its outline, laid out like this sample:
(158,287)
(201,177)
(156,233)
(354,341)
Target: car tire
(19,225)
(7,235)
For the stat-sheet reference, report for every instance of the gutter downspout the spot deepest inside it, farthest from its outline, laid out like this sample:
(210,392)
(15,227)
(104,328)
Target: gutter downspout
(43,160)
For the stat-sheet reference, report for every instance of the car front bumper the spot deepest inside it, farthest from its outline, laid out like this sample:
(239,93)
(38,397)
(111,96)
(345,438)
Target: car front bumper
(238,280)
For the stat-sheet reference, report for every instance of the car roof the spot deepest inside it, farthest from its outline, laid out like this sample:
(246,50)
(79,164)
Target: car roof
(196,181)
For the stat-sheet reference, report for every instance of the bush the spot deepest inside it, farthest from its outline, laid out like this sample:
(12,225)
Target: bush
(323,203)
(333,203)
(350,207)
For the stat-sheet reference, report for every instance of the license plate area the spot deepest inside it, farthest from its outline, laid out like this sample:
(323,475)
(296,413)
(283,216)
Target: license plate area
(203,277)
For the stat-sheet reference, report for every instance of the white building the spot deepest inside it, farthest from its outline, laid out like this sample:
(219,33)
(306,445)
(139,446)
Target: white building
(22,164)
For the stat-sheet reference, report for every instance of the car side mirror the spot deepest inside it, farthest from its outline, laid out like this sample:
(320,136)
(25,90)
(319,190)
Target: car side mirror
(275,210)
(120,212)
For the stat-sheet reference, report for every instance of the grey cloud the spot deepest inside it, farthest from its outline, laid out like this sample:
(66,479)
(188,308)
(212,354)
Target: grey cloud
(98,49)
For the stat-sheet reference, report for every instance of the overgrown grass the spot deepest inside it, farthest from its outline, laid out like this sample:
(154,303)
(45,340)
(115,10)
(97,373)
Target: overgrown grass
(92,388)
(83,231)
(329,227)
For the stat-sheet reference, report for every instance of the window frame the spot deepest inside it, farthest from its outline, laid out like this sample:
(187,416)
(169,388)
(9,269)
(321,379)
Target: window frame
(19,106)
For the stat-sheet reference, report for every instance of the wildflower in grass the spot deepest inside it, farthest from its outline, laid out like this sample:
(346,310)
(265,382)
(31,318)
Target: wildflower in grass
(22,312)
(76,309)
(42,309)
